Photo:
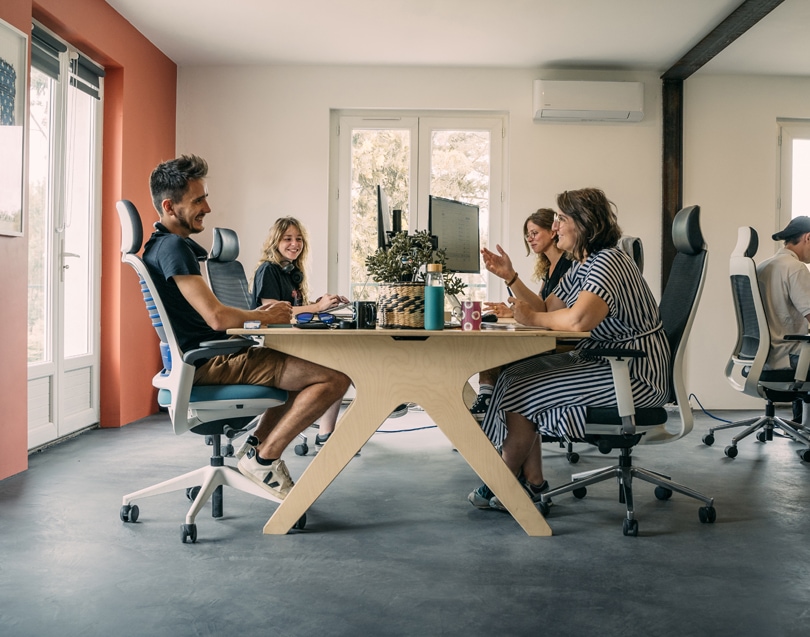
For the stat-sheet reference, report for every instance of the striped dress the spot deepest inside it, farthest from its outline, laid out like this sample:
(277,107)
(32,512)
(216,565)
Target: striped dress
(554,391)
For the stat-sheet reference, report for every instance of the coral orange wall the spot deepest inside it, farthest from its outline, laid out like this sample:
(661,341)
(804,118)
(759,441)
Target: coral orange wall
(13,313)
(139,132)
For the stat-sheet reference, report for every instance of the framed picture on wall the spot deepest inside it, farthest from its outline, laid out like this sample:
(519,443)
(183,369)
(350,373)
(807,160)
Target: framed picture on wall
(13,99)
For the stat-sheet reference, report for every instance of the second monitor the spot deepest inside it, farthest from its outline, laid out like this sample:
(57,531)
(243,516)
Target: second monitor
(455,224)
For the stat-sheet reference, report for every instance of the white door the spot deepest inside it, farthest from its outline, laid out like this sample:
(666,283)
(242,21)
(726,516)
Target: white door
(64,223)
(413,155)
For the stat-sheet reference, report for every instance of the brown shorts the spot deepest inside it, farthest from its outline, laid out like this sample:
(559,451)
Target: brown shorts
(253,366)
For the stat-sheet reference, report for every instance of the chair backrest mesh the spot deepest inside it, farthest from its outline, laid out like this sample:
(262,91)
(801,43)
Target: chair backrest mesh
(679,299)
(229,283)
(747,321)
(682,291)
(226,276)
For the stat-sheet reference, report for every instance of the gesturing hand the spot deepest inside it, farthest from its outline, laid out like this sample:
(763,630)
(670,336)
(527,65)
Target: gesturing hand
(499,264)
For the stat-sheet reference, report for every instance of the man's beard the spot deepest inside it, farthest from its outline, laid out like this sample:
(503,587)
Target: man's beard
(187,226)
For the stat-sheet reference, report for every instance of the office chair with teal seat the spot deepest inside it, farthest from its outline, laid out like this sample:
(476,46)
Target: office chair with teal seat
(745,369)
(212,411)
(228,281)
(625,426)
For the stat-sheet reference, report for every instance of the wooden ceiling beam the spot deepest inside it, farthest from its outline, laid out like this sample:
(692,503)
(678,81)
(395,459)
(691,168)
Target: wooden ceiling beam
(738,22)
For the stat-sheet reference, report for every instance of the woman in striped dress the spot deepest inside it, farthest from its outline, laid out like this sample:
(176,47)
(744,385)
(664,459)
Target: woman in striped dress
(603,293)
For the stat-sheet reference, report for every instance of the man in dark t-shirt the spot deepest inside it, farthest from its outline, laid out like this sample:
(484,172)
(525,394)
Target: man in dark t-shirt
(179,194)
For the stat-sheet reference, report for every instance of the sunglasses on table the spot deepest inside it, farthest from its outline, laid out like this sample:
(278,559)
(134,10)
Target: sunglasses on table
(315,317)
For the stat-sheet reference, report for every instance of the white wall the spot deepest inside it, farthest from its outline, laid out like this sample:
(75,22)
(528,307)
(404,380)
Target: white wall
(730,169)
(265,133)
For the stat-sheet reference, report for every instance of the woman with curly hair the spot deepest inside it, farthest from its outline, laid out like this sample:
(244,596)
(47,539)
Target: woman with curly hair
(603,293)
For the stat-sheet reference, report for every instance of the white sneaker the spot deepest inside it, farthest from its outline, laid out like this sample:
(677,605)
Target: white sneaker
(273,478)
(250,443)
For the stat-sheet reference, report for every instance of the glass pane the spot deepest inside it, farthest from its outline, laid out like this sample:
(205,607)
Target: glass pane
(76,255)
(40,148)
(379,157)
(460,170)
(801,186)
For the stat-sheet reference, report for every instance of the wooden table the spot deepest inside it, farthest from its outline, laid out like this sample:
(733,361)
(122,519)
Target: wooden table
(391,367)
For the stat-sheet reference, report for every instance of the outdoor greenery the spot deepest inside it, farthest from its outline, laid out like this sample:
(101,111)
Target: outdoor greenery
(459,170)
(405,260)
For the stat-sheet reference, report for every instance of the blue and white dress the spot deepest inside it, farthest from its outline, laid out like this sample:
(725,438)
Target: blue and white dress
(554,391)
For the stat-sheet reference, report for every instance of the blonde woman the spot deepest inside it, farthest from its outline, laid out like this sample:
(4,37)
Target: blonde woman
(281,271)
(281,276)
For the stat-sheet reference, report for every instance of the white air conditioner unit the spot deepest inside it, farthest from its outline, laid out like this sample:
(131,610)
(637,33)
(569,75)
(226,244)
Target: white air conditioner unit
(581,101)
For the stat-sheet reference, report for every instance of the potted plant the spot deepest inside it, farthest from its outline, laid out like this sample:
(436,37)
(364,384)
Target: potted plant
(400,270)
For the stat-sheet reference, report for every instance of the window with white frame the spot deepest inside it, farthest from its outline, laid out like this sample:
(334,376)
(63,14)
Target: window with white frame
(412,155)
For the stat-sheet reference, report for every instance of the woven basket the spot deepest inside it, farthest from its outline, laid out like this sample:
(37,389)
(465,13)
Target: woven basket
(401,305)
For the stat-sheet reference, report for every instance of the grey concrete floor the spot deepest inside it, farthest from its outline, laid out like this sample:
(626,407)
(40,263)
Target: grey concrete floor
(394,548)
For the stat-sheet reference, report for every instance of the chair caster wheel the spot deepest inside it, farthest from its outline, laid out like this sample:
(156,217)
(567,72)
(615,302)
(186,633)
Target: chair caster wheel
(192,493)
(544,508)
(731,451)
(129,513)
(630,527)
(301,524)
(188,532)
(227,451)
(708,440)
(707,515)
(762,436)
(804,454)
(572,457)
(579,492)
(302,449)
(663,493)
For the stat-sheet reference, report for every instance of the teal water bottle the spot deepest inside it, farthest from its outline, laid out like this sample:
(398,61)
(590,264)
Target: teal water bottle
(434,297)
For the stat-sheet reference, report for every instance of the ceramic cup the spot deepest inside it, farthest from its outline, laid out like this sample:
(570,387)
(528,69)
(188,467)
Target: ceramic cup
(470,315)
(364,314)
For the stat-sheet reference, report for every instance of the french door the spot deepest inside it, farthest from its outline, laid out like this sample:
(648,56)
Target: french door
(63,223)
(412,155)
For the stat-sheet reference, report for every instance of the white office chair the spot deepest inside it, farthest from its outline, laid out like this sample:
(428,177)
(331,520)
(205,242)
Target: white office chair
(745,367)
(625,426)
(212,411)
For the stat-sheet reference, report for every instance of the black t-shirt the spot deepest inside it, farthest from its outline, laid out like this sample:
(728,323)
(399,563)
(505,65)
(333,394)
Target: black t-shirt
(271,282)
(553,279)
(167,255)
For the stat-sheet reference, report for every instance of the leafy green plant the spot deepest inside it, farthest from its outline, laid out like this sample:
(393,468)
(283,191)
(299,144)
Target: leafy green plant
(405,260)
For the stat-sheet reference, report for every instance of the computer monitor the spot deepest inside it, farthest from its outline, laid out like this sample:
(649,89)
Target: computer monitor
(383,220)
(455,225)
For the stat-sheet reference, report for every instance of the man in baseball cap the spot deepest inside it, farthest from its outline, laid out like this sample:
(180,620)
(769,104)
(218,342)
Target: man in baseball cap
(784,282)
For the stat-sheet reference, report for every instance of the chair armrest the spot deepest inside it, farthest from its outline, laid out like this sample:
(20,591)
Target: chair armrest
(611,352)
(804,358)
(209,349)
(619,360)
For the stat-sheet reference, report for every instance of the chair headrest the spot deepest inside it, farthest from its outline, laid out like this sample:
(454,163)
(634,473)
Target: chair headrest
(686,234)
(131,227)
(747,242)
(633,247)
(225,246)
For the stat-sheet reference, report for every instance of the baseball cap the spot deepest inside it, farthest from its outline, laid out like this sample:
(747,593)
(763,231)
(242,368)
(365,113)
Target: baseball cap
(796,227)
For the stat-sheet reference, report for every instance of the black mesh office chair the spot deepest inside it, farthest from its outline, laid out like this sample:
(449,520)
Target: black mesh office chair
(625,426)
(228,282)
(745,368)
(213,411)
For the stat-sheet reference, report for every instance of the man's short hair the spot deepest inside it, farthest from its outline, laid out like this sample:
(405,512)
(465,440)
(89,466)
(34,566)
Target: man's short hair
(170,179)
